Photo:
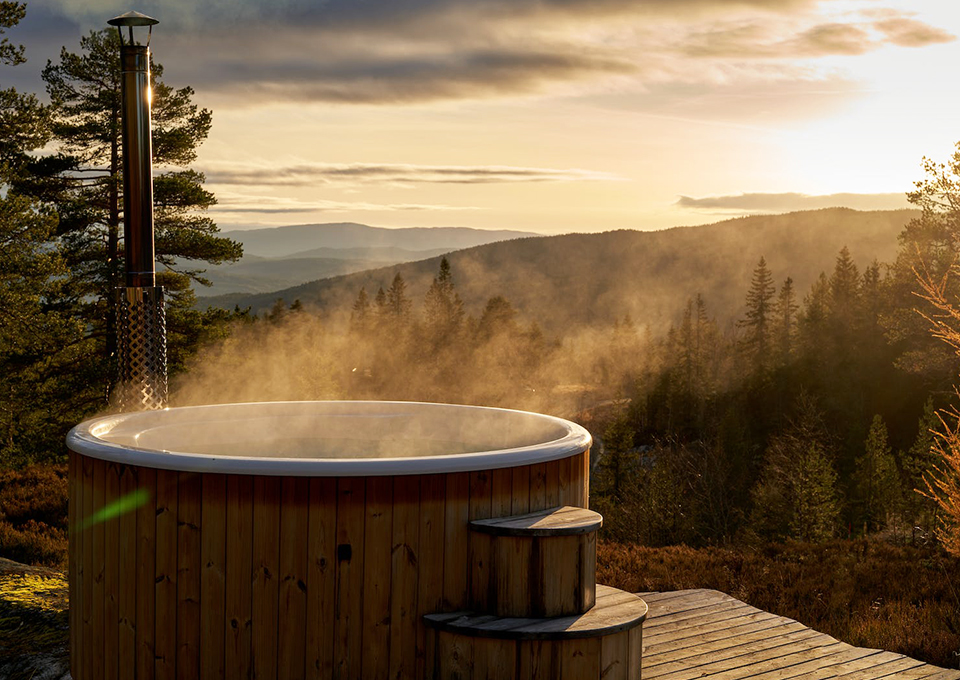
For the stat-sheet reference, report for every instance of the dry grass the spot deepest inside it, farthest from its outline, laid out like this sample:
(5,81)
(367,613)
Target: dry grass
(866,593)
(33,515)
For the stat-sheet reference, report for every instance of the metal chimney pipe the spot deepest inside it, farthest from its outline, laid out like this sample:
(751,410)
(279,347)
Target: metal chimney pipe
(141,325)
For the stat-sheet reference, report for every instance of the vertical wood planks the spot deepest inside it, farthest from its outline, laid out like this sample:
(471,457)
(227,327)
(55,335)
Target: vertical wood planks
(538,487)
(321,577)
(127,566)
(238,597)
(95,640)
(146,573)
(266,568)
(165,645)
(557,575)
(520,504)
(294,521)
(512,573)
(579,658)
(635,642)
(494,659)
(430,585)
(454,656)
(615,657)
(552,483)
(348,615)
(188,575)
(455,532)
(214,529)
(111,575)
(568,493)
(585,483)
(377,541)
(74,550)
(589,566)
(405,551)
(502,504)
(537,660)
(479,545)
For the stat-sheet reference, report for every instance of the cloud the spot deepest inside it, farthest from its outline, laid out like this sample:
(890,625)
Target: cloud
(310,174)
(384,52)
(787,202)
(912,33)
(241,204)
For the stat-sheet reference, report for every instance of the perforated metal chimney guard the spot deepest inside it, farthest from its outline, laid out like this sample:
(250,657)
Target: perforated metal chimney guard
(141,349)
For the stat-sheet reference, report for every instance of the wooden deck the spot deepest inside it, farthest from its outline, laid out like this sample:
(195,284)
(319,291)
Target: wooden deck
(693,634)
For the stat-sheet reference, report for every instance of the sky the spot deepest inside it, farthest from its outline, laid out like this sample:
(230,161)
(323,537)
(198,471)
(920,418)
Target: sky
(550,116)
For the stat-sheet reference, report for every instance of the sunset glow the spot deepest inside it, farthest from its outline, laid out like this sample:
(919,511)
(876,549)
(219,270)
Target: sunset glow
(551,116)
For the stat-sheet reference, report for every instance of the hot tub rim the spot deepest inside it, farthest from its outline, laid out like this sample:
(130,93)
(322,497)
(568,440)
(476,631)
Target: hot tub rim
(576,441)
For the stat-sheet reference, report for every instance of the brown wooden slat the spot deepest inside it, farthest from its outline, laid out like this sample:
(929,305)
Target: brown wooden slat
(552,483)
(430,584)
(321,577)
(74,551)
(454,656)
(266,568)
(554,521)
(405,553)
(569,495)
(291,629)
(502,495)
(127,565)
(585,480)
(478,545)
(538,487)
(238,582)
(147,522)
(455,532)
(166,576)
(512,572)
(111,575)
(538,660)
(635,647)
(580,658)
(377,542)
(86,566)
(94,643)
(213,517)
(188,575)
(520,502)
(494,659)
(348,643)
(615,656)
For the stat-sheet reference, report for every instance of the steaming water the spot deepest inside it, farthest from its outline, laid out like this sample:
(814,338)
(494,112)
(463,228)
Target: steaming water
(329,430)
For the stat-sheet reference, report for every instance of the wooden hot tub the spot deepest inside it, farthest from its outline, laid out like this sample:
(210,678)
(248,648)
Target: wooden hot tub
(293,539)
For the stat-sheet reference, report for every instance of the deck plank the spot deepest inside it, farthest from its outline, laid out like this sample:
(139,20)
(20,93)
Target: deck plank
(694,634)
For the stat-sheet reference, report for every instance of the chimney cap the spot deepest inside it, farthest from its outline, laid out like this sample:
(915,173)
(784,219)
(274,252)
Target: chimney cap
(133,19)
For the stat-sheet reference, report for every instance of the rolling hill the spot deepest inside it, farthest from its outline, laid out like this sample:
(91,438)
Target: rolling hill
(596,278)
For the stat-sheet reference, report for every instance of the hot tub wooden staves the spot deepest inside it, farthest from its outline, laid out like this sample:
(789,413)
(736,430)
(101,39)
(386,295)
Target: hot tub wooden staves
(204,575)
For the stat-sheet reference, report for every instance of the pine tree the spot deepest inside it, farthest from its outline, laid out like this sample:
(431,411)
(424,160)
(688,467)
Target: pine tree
(360,316)
(918,463)
(45,386)
(876,480)
(397,303)
(443,309)
(785,324)
(759,316)
(81,182)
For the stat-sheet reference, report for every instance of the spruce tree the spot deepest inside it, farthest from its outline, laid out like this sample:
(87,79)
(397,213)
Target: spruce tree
(758,318)
(876,480)
(443,309)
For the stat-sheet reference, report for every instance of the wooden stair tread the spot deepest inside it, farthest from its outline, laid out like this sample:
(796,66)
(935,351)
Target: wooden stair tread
(616,610)
(566,520)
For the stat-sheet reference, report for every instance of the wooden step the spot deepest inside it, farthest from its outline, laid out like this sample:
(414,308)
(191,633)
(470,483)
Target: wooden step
(566,520)
(538,564)
(605,642)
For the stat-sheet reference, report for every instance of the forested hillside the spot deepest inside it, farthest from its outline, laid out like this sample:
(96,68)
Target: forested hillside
(596,278)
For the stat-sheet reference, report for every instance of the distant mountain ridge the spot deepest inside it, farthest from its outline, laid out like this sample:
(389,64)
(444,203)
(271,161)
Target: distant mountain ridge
(281,257)
(294,239)
(597,278)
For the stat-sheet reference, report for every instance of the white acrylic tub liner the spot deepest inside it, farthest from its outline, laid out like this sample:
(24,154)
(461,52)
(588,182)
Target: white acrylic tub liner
(329,438)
